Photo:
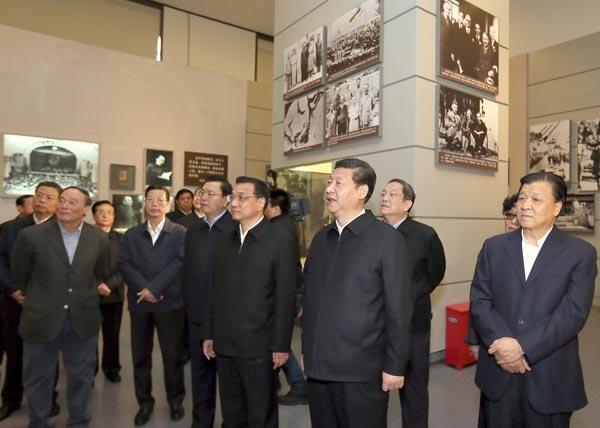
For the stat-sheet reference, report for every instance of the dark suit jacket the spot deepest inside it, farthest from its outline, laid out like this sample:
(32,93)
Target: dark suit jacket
(198,264)
(357,302)
(544,313)
(287,224)
(41,270)
(429,266)
(189,220)
(155,267)
(252,306)
(114,280)
(175,215)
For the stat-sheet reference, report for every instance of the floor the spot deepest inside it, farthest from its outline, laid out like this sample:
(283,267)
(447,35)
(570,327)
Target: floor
(453,396)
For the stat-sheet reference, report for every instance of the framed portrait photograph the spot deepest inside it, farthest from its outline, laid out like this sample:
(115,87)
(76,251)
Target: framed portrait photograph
(303,124)
(467,128)
(354,40)
(588,155)
(468,45)
(303,64)
(353,108)
(122,177)
(28,160)
(129,211)
(577,215)
(548,148)
(159,167)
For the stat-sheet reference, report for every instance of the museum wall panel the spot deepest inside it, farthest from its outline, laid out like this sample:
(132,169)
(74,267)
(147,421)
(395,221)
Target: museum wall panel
(176,33)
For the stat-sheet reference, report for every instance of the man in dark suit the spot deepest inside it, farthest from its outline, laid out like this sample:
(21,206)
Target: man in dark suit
(196,216)
(45,203)
(183,205)
(198,270)
(150,262)
(112,293)
(357,307)
(530,296)
(249,324)
(58,266)
(429,266)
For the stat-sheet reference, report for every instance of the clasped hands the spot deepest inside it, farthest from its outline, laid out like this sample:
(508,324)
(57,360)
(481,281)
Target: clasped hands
(509,355)
(146,295)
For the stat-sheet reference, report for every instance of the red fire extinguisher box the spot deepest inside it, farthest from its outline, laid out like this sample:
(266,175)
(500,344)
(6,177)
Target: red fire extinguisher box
(457,325)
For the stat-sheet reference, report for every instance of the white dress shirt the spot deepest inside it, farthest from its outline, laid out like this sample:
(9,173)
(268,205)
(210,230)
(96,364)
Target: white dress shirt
(531,251)
(341,228)
(155,233)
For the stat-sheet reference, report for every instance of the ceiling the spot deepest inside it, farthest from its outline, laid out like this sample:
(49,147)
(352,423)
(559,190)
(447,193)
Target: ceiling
(255,15)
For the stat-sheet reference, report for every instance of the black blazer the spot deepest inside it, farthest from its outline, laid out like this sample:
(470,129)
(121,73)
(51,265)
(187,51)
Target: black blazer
(544,313)
(189,220)
(155,267)
(287,224)
(429,265)
(114,281)
(198,264)
(357,302)
(175,215)
(52,286)
(252,305)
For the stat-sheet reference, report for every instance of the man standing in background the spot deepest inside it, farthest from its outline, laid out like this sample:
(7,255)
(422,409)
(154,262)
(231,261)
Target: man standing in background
(183,205)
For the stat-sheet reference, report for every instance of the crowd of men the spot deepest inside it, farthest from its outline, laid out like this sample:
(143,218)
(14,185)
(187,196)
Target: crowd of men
(229,269)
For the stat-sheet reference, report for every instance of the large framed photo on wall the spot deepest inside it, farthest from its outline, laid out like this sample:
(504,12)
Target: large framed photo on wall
(129,211)
(467,128)
(28,160)
(159,167)
(549,148)
(577,215)
(468,45)
(588,155)
(303,64)
(354,40)
(303,123)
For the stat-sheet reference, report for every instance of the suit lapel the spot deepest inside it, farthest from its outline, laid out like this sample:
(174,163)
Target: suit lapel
(80,249)
(514,250)
(550,250)
(56,241)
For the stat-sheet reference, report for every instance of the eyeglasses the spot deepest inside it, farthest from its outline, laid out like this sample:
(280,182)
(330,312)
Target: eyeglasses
(392,195)
(45,196)
(509,215)
(155,201)
(208,194)
(241,197)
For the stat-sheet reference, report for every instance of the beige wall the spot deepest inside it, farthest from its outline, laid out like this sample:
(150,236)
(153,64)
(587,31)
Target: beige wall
(463,206)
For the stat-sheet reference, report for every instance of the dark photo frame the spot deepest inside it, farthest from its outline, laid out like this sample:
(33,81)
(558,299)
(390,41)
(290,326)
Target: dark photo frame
(122,177)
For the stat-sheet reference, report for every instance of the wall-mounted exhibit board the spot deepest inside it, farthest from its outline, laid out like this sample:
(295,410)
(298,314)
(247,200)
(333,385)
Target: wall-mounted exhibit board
(66,90)
(463,205)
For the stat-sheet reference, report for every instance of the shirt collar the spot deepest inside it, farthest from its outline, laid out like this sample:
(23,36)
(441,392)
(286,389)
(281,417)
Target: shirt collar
(251,227)
(38,221)
(540,241)
(159,227)
(63,231)
(395,226)
(216,219)
(341,228)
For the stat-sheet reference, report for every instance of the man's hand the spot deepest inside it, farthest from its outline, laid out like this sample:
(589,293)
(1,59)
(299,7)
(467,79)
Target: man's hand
(146,295)
(506,350)
(390,382)
(104,290)
(18,296)
(207,349)
(519,366)
(279,359)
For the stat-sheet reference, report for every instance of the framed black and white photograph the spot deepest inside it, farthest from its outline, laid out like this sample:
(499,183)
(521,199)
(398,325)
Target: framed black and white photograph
(129,211)
(549,148)
(28,160)
(588,155)
(467,130)
(468,45)
(577,215)
(303,124)
(353,108)
(122,177)
(354,40)
(303,64)
(159,167)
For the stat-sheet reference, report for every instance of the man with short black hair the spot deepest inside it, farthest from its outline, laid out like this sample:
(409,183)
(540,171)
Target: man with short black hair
(183,205)
(196,215)
(24,205)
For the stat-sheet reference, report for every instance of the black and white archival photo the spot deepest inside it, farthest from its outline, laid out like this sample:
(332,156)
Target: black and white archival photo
(129,211)
(577,215)
(549,148)
(29,160)
(303,64)
(303,125)
(467,130)
(353,40)
(588,155)
(469,45)
(353,108)
(159,168)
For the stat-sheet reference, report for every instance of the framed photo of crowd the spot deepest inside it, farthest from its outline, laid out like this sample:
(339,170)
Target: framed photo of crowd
(468,45)
(548,148)
(27,160)
(467,129)
(303,64)
(303,124)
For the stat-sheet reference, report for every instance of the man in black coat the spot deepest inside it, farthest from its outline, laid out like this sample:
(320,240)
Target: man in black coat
(45,203)
(429,266)
(196,215)
(357,307)
(183,205)
(249,325)
(198,270)
(150,262)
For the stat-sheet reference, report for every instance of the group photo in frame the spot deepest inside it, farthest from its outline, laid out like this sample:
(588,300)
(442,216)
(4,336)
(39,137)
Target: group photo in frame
(29,160)
(159,167)
(122,177)
(353,107)
(129,211)
(303,123)
(577,215)
(468,45)
(549,148)
(354,40)
(467,129)
(588,155)
(303,64)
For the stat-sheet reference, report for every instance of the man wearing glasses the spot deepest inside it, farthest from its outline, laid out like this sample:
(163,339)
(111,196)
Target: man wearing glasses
(249,325)
(198,270)
(150,262)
